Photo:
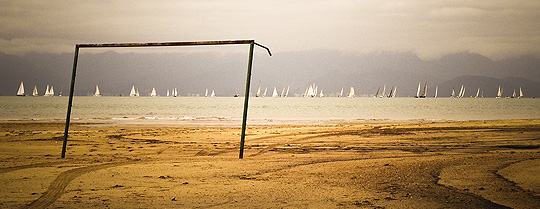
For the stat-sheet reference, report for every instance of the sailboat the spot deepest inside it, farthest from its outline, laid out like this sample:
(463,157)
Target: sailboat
(175,92)
(264,94)
(310,92)
(520,93)
(51,91)
(477,93)
(424,92)
(321,95)
(153,93)
(206,93)
(460,92)
(514,94)
(168,93)
(417,95)
(97,93)
(436,91)
(282,93)
(383,91)
(351,93)
(377,93)
(258,94)
(137,92)
(35,92)
(275,94)
(453,93)
(132,93)
(46,91)
(392,93)
(287,92)
(499,93)
(341,93)
(20,92)
(213,94)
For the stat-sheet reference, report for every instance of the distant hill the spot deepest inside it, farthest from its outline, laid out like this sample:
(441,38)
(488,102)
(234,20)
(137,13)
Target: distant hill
(193,72)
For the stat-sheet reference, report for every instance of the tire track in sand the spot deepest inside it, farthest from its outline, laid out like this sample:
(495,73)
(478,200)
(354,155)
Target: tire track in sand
(56,189)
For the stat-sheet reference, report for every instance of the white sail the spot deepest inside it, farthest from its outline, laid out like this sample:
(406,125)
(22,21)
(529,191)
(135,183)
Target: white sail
(351,93)
(463,93)
(20,92)
(213,94)
(175,92)
(132,93)
(265,89)
(514,94)
(315,90)
(206,93)
(97,93)
(287,92)
(477,93)
(394,92)
(153,93)
(520,93)
(282,93)
(275,94)
(51,91)
(35,92)
(168,93)
(453,93)
(321,95)
(436,91)
(341,93)
(383,91)
(137,92)
(258,94)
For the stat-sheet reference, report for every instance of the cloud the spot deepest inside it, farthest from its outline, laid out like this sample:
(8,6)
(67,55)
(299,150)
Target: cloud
(428,28)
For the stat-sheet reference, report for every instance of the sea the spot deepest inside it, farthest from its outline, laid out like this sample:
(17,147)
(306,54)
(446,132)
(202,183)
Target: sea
(227,111)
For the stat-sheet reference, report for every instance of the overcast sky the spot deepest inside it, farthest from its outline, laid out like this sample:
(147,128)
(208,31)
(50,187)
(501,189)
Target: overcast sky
(494,28)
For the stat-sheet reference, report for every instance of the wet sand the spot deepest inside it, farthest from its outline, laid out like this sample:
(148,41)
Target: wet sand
(475,164)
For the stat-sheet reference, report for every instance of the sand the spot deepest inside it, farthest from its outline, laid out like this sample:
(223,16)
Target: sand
(473,164)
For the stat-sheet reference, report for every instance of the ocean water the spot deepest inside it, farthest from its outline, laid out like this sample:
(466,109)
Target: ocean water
(291,110)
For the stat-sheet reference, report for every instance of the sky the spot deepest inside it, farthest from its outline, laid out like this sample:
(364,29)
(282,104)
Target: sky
(429,29)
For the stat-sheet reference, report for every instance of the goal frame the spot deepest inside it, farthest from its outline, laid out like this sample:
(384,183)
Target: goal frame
(251,43)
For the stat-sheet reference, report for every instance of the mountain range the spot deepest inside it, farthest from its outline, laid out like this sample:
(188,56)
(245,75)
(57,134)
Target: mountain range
(193,72)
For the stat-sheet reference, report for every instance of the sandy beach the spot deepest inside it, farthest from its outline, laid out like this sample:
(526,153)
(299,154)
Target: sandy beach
(472,164)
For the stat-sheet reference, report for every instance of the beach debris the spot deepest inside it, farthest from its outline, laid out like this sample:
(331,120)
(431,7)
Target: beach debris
(174,199)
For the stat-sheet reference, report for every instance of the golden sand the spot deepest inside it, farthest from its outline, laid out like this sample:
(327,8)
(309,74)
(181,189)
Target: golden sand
(475,164)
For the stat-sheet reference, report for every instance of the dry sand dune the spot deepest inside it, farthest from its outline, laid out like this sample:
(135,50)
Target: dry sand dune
(476,164)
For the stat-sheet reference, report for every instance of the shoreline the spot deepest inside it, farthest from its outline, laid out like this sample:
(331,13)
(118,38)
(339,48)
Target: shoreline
(456,164)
